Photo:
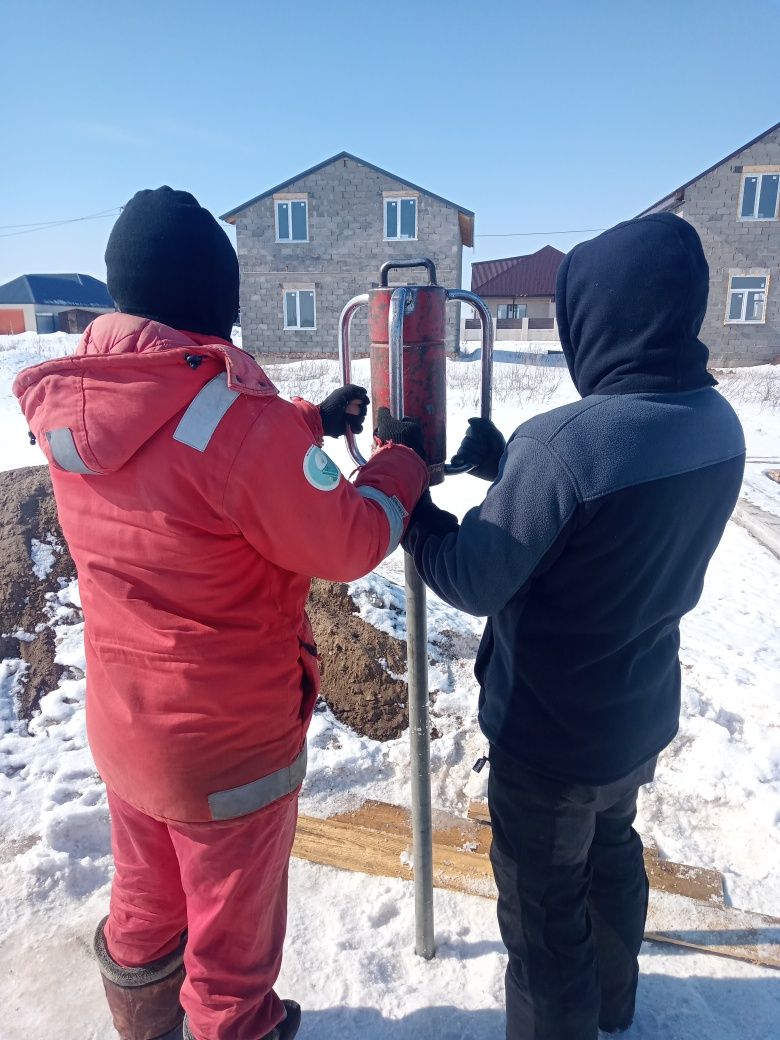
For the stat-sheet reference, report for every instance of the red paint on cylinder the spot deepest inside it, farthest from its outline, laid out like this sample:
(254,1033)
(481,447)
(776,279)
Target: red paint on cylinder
(424,364)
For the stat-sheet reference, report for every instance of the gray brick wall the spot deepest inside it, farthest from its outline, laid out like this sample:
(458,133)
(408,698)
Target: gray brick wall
(341,259)
(731,245)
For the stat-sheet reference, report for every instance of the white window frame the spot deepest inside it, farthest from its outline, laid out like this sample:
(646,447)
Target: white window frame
(514,306)
(765,274)
(296,293)
(399,199)
(759,175)
(288,203)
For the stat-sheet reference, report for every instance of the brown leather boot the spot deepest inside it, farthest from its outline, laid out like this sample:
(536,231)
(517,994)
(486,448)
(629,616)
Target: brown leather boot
(144,1001)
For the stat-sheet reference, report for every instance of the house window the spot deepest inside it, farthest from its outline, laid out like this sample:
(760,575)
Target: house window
(759,196)
(400,218)
(513,311)
(299,309)
(292,221)
(746,299)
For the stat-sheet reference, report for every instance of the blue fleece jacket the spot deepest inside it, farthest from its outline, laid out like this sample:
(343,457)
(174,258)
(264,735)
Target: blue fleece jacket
(594,540)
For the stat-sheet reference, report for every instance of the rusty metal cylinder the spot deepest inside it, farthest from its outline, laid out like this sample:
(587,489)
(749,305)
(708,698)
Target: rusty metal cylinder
(424,364)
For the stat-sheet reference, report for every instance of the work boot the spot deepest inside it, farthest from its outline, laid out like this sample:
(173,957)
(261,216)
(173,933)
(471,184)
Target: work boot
(290,1025)
(144,1001)
(285,1030)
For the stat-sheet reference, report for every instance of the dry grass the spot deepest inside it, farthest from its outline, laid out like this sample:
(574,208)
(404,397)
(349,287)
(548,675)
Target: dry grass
(313,378)
(52,345)
(512,383)
(760,385)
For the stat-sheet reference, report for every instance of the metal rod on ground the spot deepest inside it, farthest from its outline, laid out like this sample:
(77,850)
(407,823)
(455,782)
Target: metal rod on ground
(417,666)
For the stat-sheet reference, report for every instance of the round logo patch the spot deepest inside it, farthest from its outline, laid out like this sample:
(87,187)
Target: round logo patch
(320,471)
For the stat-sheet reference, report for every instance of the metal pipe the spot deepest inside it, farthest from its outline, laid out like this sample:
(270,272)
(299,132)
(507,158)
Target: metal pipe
(396,350)
(417,666)
(345,364)
(421,261)
(486,387)
(486,318)
(420,740)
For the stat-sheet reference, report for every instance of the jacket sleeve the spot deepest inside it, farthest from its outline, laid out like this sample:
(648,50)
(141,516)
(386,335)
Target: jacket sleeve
(499,544)
(310,414)
(293,505)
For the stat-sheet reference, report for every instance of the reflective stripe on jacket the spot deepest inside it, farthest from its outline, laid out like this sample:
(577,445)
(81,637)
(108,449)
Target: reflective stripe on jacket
(197,505)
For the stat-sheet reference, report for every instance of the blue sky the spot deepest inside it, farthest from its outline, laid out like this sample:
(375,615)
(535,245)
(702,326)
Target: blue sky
(546,117)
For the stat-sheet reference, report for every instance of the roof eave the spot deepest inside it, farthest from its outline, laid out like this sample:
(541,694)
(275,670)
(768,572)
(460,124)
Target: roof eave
(667,202)
(466,223)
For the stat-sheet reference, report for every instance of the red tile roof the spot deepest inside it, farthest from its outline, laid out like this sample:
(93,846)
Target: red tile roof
(532,275)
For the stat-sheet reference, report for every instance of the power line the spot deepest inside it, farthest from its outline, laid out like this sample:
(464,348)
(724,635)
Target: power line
(523,234)
(28,229)
(47,223)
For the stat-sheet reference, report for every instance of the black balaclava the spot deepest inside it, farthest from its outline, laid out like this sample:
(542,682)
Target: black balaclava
(630,304)
(169,260)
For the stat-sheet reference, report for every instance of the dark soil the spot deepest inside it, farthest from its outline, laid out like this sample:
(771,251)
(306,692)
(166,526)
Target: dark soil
(356,661)
(27,511)
(356,657)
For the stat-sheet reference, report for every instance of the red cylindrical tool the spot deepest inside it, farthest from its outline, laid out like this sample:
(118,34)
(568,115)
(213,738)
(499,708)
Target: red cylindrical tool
(424,360)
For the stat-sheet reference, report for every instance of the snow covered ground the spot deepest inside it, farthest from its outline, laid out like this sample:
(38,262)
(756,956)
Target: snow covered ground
(715,802)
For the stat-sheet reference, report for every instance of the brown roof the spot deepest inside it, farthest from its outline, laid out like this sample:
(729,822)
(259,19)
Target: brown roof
(532,275)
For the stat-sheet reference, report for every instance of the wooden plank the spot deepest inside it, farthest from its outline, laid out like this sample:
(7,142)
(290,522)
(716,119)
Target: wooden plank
(478,810)
(721,930)
(376,840)
(450,830)
(700,883)
(386,853)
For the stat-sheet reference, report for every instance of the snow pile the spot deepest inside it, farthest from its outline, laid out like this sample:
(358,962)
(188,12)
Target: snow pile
(44,555)
(715,801)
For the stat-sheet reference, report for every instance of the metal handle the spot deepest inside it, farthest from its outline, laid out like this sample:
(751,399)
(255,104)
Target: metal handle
(395,337)
(486,390)
(345,363)
(420,261)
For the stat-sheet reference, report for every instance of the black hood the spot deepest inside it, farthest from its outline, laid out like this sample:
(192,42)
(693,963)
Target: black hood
(630,304)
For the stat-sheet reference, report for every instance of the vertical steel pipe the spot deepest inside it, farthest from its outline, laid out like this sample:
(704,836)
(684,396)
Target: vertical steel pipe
(417,666)
(419,735)
(345,364)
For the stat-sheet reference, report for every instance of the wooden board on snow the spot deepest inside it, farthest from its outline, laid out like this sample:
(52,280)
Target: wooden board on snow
(700,883)
(377,840)
(686,903)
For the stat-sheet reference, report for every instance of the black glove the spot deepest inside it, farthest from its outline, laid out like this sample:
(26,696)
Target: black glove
(482,448)
(336,418)
(400,431)
(428,515)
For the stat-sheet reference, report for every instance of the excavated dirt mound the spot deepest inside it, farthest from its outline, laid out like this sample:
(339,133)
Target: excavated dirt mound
(358,663)
(28,516)
(357,659)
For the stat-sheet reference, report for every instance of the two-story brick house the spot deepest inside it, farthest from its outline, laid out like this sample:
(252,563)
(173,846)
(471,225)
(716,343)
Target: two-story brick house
(308,245)
(735,207)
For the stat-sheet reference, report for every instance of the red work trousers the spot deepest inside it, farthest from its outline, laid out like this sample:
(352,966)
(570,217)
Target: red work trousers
(226,883)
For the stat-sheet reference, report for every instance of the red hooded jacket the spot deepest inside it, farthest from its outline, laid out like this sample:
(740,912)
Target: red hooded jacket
(197,505)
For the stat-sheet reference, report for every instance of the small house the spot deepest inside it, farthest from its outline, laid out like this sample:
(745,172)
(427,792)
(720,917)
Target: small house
(52,303)
(520,294)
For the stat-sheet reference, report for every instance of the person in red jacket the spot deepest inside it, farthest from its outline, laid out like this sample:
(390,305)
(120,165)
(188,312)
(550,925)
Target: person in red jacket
(197,505)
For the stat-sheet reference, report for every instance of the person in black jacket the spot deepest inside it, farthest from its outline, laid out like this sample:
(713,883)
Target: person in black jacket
(592,543)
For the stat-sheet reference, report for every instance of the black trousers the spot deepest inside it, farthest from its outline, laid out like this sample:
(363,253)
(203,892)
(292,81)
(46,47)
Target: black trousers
(572,900)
